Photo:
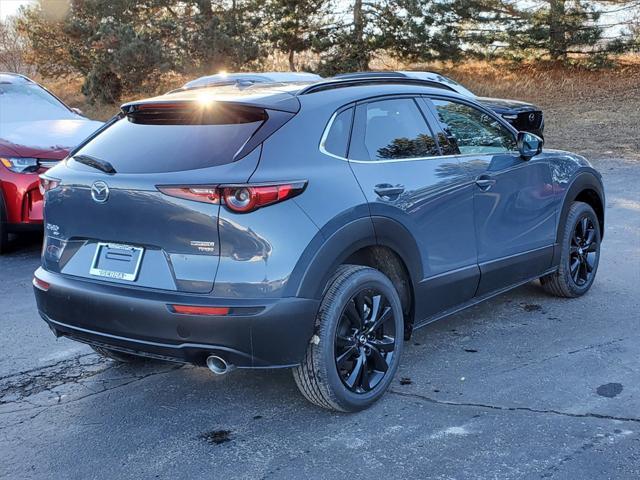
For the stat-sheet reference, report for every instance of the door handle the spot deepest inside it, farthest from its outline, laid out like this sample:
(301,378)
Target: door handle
(485,182)
(386,190)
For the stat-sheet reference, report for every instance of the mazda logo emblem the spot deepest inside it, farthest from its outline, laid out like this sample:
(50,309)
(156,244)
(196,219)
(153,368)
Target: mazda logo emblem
(100,191)
(532,117)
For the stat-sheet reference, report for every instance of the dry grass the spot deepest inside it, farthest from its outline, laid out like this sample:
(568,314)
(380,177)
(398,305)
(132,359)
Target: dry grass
(595,113)
(70,91)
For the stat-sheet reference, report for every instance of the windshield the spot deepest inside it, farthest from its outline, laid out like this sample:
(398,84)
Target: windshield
(456,86)
(30,103)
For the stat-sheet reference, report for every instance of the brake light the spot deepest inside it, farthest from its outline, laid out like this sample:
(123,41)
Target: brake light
(47,184)
(198,310)
(245,198)
(242,198)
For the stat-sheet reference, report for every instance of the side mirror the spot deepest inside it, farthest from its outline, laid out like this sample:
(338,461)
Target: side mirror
(78,111)
(529,145)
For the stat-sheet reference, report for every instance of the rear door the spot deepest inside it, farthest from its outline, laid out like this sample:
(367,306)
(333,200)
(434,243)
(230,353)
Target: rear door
(397,162)
(513,198)
(137,204)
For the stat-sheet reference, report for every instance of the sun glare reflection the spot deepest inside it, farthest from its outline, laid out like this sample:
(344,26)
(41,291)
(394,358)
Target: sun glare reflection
(206,99)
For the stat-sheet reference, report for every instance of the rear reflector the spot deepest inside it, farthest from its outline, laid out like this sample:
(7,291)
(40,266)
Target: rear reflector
(40,284)
(198,310)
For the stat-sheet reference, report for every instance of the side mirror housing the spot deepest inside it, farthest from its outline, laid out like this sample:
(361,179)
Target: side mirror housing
(529,145)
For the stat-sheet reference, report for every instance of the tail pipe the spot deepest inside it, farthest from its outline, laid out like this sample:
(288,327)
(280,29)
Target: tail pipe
(218,365)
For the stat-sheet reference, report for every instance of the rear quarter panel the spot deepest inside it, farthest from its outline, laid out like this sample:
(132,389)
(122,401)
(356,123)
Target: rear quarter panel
(331,200)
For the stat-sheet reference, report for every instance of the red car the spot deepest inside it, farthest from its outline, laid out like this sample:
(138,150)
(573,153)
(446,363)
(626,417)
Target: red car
(36,131)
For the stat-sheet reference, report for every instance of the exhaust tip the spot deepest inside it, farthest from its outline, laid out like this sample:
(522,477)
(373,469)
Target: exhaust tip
(218,365)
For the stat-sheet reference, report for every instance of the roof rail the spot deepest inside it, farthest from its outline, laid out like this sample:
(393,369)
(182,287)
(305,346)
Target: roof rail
(369,79)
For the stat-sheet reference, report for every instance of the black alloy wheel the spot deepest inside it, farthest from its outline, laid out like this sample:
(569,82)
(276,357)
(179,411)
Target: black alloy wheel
(357,345)
(579,254)
(583,251)
(365,341)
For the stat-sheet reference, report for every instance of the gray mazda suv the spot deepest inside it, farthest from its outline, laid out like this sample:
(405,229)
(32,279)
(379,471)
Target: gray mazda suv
(311,226)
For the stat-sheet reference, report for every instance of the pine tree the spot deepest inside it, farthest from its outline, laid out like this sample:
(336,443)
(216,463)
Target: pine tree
(557,28)
(351,44)
(294,26)
(410,30)
(222,35)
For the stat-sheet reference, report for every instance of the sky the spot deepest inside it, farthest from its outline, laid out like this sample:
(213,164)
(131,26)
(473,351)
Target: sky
(10,7)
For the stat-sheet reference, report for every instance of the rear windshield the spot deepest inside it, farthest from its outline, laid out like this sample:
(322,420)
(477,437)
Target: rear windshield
(152,145)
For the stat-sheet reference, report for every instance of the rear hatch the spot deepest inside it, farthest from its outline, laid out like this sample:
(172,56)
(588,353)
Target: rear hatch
(113,216)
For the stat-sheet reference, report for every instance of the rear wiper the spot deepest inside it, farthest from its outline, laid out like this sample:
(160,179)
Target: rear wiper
(94,162)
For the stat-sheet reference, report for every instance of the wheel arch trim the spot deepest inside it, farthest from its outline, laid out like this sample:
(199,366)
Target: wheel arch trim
(327,251)
(583,181)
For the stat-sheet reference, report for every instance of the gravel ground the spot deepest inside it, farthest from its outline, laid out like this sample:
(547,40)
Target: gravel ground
(524,386)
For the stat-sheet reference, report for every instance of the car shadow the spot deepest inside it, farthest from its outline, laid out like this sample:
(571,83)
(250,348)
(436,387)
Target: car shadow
(24,243)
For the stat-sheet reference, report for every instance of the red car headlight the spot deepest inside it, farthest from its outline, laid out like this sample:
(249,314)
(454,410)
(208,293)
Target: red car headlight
(20,164)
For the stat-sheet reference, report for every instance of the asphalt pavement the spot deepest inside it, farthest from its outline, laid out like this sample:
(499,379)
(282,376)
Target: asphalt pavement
(524,386)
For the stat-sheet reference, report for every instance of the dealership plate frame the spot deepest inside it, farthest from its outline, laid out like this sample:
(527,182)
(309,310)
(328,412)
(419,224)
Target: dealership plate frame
(101,272)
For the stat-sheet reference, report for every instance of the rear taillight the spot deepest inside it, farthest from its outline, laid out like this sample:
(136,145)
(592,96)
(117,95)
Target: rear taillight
(207,194)
(47,184)
(238,198)
(245,198)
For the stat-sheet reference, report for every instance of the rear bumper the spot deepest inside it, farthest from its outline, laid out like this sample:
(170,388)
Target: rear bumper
(264,333)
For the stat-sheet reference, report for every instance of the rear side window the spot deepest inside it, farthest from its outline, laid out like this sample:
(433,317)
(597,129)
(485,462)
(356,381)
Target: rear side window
(337,140)
(471,131)
(155,141)
(391,129)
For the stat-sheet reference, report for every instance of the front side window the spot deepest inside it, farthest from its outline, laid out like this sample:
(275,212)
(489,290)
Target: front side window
(471,131)
(392,129)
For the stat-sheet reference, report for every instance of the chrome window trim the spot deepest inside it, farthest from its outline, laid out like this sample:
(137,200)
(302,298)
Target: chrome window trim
(325,135)
(323,150)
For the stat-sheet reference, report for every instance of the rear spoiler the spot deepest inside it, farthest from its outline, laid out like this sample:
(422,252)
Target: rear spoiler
(270,100)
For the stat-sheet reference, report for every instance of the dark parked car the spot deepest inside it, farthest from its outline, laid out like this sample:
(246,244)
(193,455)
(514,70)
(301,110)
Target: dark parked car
(37,130)
(522,116)
(311,227)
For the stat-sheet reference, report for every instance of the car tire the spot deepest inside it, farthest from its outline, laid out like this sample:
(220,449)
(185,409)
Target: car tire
(4,234)
(4,238)
(580,254)
(117,356)
(350,362)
